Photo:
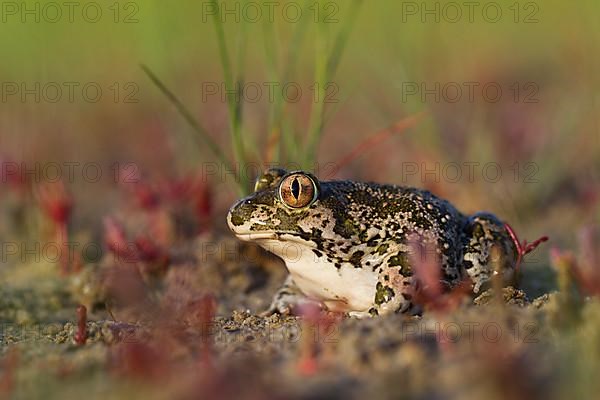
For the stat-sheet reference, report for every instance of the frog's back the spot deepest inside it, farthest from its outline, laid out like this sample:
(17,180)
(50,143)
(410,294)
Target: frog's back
(393,206)
(384,213)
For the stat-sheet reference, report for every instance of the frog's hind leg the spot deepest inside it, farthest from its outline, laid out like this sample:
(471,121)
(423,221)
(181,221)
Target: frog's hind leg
(483,233)
(394,294)
(287,299)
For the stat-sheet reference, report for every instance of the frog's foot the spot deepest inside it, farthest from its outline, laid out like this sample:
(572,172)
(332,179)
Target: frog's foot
(287,300)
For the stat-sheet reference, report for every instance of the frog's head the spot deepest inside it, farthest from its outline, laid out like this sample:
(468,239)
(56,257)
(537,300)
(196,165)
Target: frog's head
(285,206)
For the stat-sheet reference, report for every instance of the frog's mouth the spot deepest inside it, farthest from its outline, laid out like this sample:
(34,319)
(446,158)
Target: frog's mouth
(270,236)
(250,236)
(250,231)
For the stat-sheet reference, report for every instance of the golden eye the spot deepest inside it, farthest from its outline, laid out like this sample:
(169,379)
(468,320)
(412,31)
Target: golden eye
(297,190)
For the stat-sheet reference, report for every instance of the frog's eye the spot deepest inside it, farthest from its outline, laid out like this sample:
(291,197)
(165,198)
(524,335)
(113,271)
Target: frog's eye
(297,190)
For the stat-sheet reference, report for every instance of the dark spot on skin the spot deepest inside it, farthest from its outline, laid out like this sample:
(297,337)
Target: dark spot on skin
(362,236)
(237,220)
(383,294)
(356,258)
(346,249)
(317,233)
(346,228)
(373,242)
(394,261)
(401,260)
(317,253)
(265,197)
(478,231)
(289,220)
(383,248)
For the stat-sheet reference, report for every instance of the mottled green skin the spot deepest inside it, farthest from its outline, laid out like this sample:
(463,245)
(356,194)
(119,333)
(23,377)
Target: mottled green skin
(367,226)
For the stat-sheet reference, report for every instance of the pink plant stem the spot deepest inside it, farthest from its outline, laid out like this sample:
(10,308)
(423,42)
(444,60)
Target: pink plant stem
(8,366)
(307,364)
(206,313)
(311,318)
(81,335)
(523,248)
(62,235)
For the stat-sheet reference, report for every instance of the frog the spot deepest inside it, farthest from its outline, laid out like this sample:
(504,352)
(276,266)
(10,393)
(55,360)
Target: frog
(347,244)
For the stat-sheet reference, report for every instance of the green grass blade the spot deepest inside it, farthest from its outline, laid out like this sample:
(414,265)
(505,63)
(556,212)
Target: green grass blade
(276,128)
(234,106)
(272,152)
(223,53)
(342,39)
(326,67)
(318,106)
(192,122)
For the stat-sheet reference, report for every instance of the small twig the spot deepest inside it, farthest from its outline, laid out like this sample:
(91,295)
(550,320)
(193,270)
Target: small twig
(109,311)
(378,137)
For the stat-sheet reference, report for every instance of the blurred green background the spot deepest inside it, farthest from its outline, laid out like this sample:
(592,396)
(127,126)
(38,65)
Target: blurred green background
(547,49)
(530,154)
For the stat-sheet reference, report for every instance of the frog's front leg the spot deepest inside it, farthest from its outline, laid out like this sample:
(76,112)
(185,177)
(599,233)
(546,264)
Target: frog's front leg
(483,233)
(287,299)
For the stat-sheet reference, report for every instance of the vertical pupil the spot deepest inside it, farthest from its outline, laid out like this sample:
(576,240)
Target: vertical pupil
(296,188)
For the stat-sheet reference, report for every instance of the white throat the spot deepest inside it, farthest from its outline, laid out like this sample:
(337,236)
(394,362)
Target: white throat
(341,289)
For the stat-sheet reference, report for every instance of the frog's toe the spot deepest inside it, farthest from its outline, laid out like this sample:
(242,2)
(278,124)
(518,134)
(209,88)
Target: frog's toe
(286,300)
(361,314)
(277,307)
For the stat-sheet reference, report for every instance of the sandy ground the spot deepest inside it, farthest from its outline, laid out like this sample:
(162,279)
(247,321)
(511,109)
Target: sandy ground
(194,329)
